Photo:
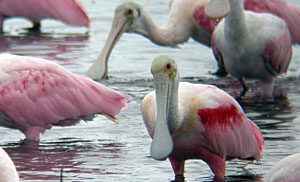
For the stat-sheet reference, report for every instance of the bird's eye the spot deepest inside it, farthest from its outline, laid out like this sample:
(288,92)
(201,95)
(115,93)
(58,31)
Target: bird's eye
(168,66)
(129,11)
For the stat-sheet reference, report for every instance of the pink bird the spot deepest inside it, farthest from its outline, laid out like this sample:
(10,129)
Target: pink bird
(8,171)
(290,13)
(186,20)
(251,45)
(36,94)
(286,170)
(195,121)
(68,11)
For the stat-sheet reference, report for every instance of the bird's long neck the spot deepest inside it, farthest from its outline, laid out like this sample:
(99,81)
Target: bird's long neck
(173,120)
(170,34)
(235,24)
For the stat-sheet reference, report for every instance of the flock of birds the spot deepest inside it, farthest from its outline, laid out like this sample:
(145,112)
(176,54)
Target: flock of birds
(250,39)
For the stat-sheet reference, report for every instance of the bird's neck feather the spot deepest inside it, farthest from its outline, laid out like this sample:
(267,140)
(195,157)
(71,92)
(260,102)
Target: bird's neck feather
(170,34)
(235,22)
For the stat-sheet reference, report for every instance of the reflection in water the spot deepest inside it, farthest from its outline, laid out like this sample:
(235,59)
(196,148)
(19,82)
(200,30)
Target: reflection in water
(122,154)
(45,161)
(42,45)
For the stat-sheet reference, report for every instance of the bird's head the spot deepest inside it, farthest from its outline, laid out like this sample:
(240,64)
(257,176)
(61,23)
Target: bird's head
(125,16)
(164,64)
(164,71)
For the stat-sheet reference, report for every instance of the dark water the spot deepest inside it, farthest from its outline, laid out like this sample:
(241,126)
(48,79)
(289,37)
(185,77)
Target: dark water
(103,151)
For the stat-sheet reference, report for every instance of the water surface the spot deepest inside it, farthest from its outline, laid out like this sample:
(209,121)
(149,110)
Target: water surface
(102,151)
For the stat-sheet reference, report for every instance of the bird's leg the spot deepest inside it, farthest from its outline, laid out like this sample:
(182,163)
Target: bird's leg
(36,26)
(215,163)
(267,87)
(245,87)
(1,23)
(33,133)
(178,168)
(221,71)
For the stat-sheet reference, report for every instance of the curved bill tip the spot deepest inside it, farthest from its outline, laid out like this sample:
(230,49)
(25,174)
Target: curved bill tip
(161,147)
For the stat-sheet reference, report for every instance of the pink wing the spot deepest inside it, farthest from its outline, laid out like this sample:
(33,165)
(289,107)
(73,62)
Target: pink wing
(225,129)
(288,12)
(36,92)
(278,52)
(69,11)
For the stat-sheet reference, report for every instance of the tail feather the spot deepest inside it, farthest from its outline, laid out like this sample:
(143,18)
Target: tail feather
(259,139)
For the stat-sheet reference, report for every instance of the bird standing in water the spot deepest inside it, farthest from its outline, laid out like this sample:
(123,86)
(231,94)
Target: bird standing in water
(187,19)
(251,45)
(68,11)
(196,121)
(36,94)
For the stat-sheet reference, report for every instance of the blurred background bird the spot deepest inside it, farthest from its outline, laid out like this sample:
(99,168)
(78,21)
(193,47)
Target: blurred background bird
(68,11)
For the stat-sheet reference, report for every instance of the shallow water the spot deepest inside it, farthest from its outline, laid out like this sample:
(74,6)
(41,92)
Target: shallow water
(102,151)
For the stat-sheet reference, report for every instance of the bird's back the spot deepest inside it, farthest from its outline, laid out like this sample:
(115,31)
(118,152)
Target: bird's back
(37,92)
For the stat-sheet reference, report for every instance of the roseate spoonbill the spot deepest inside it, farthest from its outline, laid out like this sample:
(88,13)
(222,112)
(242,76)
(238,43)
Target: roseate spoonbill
(251,45)
(186,19)
(69,11)
(8,172)
(287,169)
(36,94)
(196,121)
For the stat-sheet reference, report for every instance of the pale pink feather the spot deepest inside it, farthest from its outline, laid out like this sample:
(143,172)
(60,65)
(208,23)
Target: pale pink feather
(36,93)
(276,54)
(69,11)
(225,129)
(286,170)
(8,171)
(290,13)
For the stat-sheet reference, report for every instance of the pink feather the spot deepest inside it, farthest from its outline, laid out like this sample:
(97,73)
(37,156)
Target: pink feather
(290,13)
(36,94)
(69,11)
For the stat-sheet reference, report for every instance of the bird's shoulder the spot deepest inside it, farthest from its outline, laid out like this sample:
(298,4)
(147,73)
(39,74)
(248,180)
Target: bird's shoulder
(13,67)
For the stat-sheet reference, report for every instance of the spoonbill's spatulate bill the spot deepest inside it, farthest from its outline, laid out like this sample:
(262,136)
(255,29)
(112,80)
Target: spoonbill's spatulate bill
(68,11)
(196,121)
(8,171)
(186,20)
(36,94)
(252,45)
(287,169)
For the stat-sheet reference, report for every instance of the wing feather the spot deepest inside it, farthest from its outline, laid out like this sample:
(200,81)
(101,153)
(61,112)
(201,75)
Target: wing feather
(37,92)
(225,129)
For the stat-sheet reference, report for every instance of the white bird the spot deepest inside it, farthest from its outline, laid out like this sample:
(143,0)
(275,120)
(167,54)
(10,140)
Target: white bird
(286,170)
(8,172)
(251,45)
